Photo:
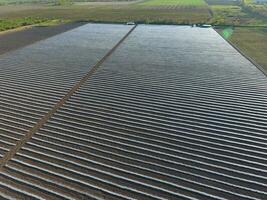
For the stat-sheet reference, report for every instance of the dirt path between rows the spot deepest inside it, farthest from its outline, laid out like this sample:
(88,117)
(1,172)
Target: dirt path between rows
(19,144)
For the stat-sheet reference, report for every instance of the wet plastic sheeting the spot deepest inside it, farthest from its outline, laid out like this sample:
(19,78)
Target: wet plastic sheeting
(174,113)
(35,77)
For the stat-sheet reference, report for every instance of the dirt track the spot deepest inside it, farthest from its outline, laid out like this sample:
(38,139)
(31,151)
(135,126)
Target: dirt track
(14,40)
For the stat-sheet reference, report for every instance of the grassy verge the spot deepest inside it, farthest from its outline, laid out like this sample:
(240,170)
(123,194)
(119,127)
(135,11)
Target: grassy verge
(247,23)
(7,24)
(251,41)
(178,3)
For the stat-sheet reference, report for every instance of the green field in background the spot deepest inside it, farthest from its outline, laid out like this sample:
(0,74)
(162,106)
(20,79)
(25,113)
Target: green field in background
(174,3)
(24,1)
(6,24)
(251,39)
(253,42)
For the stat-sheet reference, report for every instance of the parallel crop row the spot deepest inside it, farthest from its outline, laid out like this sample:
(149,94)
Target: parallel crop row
(163,118)
(35,78)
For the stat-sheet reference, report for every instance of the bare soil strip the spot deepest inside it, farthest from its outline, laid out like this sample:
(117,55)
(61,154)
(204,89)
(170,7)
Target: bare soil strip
(15,29)
(11,153)
(17,38)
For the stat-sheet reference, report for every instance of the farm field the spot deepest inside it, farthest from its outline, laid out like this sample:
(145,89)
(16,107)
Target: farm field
(251,38)
(236,15)
(109,111)
(215,12)
(253,42)
(176,3)
(222,2)
(101,12)
(53,1)
(255,9)
(20,2)
(15,39)
(8,24)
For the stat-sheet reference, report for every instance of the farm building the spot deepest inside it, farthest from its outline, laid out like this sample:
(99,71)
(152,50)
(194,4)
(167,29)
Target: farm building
(113,112)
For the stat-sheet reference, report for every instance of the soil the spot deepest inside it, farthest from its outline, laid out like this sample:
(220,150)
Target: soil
(16,39)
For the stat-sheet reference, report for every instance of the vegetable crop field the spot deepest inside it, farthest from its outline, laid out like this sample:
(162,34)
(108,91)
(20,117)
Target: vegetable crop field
(146,112)
(4,2)
(247,22)
(115,111)
(216,12)
(176,3)
(173,14)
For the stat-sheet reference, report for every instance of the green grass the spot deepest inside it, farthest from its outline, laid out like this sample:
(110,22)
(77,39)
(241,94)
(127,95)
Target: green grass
(259,10)
(222,2)
(119,13)
(236,15)
(174,3)
(6,24)
(148,11)
(228,14)
(251,41)
(6,2)
(46,2)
